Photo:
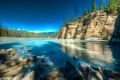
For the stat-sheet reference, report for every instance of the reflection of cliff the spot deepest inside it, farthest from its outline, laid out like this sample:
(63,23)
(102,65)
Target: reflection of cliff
(93,26)
(99,51)
(115,39)
(91,51)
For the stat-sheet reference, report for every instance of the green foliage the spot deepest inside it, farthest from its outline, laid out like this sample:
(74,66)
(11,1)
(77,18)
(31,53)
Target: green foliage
(107,2)
(86,12)
(94,8)
(5,32)
(113,6)
(102,5)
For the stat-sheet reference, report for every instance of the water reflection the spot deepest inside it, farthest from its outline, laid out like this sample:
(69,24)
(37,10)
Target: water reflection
(96,53)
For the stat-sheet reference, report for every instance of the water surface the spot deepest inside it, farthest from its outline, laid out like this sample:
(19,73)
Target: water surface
(57,51)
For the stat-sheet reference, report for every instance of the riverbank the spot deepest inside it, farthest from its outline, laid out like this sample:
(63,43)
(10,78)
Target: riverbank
(14,67)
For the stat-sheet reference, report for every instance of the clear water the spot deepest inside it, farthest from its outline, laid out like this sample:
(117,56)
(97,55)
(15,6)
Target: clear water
(56,51)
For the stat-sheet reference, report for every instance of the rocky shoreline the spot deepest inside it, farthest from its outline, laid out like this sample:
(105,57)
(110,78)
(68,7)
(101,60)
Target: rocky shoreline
(12,66)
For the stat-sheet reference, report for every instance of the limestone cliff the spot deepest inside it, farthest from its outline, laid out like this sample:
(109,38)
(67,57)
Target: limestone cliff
(115,39)
(96,25)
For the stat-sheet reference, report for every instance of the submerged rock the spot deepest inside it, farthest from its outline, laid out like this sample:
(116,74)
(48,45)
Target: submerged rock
(32,58)
(75,57)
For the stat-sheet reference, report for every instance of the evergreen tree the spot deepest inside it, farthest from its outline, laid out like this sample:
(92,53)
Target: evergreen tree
(107,2)
(113,7)
(86,12)
(94,8)
(102,5)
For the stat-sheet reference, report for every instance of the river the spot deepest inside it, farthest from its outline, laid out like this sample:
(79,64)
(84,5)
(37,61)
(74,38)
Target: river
(57,51)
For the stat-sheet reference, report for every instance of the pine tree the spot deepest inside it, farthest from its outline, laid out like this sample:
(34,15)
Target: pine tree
(86,12)
(107,2)
(94,8)
(102,5)
(113,7)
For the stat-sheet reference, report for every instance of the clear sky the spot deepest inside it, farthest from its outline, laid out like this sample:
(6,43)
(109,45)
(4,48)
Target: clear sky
(40,15)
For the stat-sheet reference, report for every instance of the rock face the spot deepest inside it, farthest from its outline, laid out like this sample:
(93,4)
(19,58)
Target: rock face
(96,25)
(115,39)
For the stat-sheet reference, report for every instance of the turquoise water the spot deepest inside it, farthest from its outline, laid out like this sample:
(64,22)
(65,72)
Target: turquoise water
(57,51)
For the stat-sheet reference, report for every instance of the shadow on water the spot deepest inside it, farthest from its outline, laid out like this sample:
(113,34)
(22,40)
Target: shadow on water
(52,54)
(8,45)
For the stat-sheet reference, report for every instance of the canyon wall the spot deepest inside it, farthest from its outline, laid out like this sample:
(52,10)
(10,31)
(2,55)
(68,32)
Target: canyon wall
(97,25)
(115,39)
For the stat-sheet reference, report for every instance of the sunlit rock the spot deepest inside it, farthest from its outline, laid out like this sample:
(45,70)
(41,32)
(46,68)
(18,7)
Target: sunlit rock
(100,27)
(29,76)
(18,76)
(56,73)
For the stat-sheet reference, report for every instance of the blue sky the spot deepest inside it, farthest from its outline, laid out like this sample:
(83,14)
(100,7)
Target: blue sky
(40,15)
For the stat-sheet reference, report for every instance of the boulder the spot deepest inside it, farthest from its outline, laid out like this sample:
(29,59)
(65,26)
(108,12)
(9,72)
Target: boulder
(82,69)
(2,51)
(6,78)
(18,76)
(29,76)
(98,69)
(56,73)
(94,75)
(12,70)
(32,58)
(112,74)
(73,73)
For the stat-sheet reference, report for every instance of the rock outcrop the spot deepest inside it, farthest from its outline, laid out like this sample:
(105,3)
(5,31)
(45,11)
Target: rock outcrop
(97,25)
(115,39)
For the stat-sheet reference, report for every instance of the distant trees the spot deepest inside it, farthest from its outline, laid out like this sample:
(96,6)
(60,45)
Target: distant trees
(94,8)
(6,32)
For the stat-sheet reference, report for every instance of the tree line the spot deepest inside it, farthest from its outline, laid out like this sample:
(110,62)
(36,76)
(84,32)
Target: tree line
(111,7)
(7,32)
